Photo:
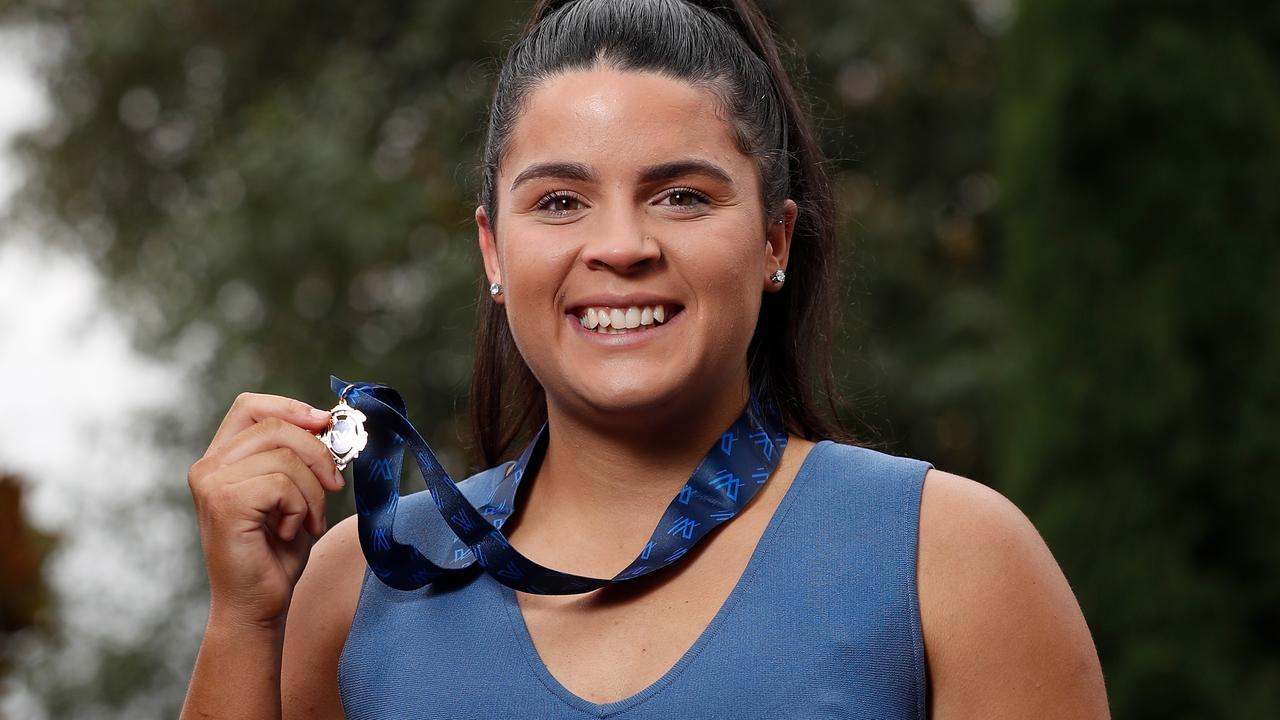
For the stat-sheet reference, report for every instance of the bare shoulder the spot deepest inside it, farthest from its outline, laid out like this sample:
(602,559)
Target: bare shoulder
(324,603)
(1004,635)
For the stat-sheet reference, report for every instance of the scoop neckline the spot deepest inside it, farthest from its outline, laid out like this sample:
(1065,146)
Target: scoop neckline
(507,597)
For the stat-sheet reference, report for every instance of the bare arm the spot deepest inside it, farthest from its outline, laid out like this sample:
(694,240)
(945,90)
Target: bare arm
(1004,636)
(233,676)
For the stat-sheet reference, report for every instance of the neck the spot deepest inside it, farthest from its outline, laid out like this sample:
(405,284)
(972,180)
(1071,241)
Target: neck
(607,483)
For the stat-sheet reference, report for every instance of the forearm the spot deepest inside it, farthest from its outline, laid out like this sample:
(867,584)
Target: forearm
(237,673)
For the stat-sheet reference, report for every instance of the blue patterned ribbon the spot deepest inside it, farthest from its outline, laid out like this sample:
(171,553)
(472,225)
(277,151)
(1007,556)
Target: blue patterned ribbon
(726,479)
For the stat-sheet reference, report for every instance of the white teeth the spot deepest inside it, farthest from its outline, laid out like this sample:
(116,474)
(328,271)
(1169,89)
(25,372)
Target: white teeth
(615,321)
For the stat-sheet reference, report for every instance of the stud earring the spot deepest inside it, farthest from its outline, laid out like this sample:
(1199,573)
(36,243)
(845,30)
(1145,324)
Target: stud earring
(778,276)
(495,289)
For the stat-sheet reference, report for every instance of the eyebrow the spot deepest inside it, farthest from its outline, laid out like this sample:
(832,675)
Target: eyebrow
(679,168)
(651,174)
(559,170)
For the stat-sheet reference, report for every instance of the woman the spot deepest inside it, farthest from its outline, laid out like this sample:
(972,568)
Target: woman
(658,249)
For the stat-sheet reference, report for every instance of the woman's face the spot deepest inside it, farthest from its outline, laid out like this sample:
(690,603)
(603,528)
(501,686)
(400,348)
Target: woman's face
(623,199)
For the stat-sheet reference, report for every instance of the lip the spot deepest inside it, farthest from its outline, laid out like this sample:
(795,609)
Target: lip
(631,339)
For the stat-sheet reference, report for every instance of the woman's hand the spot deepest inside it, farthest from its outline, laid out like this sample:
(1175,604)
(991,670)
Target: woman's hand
(259,497)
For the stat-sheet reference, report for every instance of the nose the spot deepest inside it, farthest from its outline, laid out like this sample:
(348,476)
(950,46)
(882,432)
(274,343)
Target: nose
(621,245)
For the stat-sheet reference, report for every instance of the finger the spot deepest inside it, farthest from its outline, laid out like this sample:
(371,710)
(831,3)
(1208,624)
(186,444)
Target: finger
(273,433)
(285,527)
(283,461)
(252,408)
(274,494)
(271,500)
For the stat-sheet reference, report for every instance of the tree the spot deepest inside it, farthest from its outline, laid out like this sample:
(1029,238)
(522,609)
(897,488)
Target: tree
(905,98)
(1141,158)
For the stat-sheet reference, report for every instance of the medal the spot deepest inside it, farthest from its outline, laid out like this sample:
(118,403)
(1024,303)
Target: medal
(737,465)
(345,437)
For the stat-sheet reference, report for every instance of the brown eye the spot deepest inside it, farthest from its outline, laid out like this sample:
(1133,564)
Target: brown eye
(559,203)
(685,198)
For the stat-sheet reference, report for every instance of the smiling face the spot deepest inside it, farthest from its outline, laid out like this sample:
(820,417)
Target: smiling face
(623,200)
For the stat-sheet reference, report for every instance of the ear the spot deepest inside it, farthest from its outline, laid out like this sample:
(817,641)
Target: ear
(778,243)
(488,249)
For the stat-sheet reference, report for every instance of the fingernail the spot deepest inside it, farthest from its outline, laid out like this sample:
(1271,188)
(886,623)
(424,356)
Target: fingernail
(318,414)
(342,481)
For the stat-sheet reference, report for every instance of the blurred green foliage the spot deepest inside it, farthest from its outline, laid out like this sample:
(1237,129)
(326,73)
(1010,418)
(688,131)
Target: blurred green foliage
(1140,148)
(280,191)
(277,191)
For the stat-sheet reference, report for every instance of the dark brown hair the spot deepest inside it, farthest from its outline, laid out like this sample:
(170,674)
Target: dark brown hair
(728,47)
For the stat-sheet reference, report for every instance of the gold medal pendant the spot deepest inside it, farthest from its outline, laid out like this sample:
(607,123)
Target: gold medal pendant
(345,436)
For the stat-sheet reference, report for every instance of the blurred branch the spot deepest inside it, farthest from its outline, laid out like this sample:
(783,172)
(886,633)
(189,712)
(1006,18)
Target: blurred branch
(24,596)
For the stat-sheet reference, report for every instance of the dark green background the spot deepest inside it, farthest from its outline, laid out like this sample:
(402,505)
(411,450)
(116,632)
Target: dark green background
(1060,272)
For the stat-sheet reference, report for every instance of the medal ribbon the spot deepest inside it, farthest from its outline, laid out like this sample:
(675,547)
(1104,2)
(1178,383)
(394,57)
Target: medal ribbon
(726,479)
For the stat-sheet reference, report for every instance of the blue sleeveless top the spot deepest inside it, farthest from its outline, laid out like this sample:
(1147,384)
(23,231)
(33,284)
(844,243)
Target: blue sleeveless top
(823,623)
